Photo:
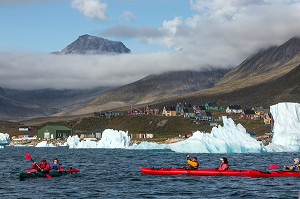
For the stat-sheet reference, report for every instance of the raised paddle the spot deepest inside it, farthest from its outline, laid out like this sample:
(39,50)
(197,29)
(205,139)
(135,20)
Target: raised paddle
(28,157)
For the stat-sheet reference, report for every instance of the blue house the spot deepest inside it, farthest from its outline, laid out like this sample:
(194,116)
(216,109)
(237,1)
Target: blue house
(205,116)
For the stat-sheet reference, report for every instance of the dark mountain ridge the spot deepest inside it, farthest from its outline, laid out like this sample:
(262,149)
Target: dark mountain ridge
(266,61)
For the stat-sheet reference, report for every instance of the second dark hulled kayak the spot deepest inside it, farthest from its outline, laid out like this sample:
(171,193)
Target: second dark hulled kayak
(32,173)
(214,172)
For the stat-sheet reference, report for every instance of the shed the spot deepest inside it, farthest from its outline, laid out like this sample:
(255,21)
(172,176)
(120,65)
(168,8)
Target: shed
(54,132)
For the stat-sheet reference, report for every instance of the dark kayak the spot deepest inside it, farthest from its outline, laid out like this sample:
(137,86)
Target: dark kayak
(33,173)
(214,172)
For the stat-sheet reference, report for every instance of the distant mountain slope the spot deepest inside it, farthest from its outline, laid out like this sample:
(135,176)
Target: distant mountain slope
(282,89)
(23,104)
(155,87)
(92,45)
(266,61)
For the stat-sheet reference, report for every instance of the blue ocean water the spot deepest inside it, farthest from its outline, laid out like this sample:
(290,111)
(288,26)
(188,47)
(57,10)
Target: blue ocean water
(115,173)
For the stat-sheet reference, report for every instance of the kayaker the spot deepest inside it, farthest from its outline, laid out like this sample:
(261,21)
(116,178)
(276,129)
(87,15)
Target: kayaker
(44,166)
(224,165)
(192,162)
(56,166)
(295,167)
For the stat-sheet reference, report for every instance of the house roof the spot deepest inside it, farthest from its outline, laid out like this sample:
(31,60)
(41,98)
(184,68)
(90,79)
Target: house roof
(235,107)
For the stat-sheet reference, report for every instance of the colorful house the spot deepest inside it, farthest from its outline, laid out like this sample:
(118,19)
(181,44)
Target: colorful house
(135,111)
(205,116)
(249,114)
(152,111)
(54,132)
(189,113)
(169,111)
(210,107)
(236,109)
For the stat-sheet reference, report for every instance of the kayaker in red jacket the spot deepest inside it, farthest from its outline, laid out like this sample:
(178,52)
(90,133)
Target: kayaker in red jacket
(44,166)
(224,166)
(192,162)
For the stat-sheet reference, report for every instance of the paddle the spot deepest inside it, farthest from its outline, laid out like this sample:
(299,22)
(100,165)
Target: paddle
(28,157)
(72,170)
(273,167)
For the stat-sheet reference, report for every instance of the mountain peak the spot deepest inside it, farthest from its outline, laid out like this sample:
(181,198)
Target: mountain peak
(92,45)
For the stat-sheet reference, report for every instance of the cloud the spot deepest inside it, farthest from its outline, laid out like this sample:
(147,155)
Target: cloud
(127,17)
(37,71)
(93,9)
(222,32)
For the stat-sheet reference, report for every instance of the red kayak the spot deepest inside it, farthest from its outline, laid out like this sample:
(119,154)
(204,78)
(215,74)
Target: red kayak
(214,172)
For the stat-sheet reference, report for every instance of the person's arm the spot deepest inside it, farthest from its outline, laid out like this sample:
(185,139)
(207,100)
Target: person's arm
(34,166)
(47,168)
(290,168)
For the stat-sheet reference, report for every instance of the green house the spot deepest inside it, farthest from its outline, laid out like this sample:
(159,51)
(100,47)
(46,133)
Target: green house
(54,132)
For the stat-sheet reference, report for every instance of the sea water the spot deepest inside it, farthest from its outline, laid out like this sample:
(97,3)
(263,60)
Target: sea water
(115,173)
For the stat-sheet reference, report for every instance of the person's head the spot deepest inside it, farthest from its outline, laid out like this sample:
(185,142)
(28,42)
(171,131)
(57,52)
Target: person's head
(296,160)
(194,158)
(224,160)
(55,161)
(44,160)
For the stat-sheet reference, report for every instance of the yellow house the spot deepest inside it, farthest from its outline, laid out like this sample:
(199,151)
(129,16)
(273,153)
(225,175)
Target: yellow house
(169,111)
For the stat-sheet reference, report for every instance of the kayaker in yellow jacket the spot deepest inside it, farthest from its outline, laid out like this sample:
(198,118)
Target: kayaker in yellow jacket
(192,162)
(295,167)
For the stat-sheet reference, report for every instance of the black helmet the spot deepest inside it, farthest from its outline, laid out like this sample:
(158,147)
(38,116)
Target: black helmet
(44,160)
(194,157)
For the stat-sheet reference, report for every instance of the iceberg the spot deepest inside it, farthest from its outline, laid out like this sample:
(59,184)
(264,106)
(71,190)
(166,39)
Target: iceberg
(229,138)
(44,144)
(286,129)
(110,139)
(4,139)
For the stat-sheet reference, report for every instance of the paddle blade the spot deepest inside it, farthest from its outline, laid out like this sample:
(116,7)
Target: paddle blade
(31,171)
(274,167)
(48,176)
(28,156)
(73,170)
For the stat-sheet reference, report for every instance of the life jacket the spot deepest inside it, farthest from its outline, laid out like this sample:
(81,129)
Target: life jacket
(296,167)
(192,164)
(46,167)
(56,167)
(223,167)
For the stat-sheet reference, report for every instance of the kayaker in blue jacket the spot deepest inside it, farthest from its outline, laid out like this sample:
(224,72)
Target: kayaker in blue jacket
(56,166)
(192,162)
(295,167)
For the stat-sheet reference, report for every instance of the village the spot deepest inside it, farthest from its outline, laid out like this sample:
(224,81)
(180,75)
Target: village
(206,113)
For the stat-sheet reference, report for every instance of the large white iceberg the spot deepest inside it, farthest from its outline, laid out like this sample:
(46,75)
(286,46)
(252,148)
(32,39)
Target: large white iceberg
(110,139)
(4,139)
(229,138)
(286,129)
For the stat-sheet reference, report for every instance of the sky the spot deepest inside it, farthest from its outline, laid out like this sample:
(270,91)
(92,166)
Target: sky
(162,35)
